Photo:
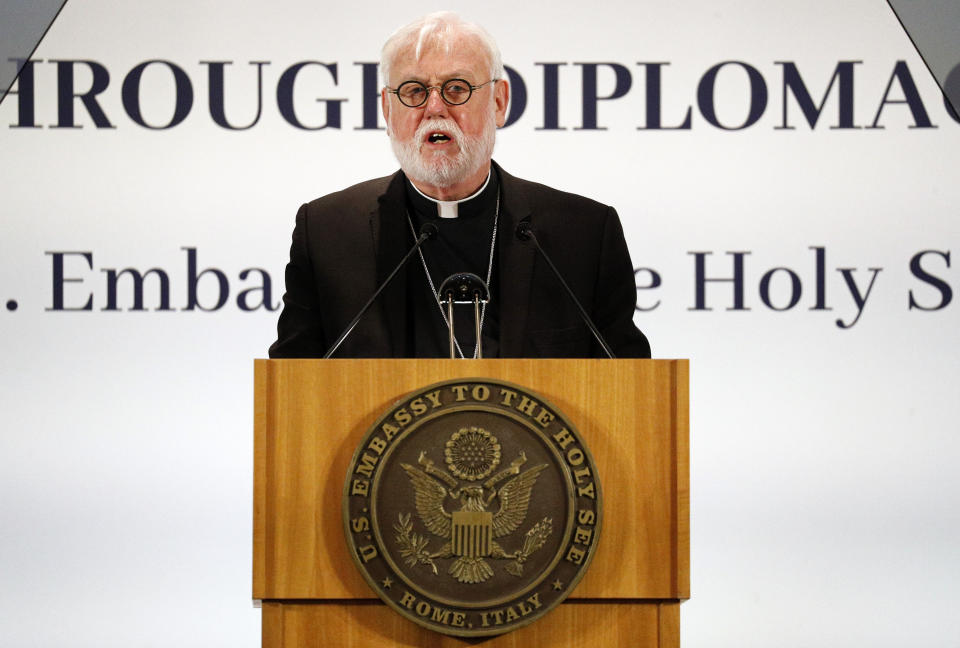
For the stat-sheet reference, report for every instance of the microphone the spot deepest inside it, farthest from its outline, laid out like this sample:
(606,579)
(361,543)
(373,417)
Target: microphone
(427,231)
(464,288)
(525,233)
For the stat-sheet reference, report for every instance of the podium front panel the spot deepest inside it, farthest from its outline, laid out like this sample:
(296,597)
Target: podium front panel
(309,416)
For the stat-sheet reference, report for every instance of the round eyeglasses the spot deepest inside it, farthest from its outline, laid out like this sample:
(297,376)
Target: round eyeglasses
(455,92)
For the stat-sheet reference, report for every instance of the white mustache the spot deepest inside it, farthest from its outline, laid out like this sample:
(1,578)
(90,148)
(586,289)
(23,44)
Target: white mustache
(439,124)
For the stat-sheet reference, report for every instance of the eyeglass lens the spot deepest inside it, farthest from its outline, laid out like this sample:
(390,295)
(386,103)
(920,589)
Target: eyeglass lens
(453,91)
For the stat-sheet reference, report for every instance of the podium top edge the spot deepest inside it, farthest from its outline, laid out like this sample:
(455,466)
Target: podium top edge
(470,360)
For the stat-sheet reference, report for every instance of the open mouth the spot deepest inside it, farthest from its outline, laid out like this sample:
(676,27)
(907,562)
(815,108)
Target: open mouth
(438,138)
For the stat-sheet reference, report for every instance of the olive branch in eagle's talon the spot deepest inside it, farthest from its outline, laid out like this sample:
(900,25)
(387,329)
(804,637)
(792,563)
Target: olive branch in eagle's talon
(413,547)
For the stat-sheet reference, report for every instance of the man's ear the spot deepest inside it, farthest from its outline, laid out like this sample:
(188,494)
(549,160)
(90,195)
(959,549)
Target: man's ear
(501,97)
(385,107)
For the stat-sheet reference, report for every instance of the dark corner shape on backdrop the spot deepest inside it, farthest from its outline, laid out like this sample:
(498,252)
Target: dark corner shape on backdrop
(934,29)
(22,26)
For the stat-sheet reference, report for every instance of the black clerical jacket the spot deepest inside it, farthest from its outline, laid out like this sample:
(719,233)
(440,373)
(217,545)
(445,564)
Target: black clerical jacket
(346,243)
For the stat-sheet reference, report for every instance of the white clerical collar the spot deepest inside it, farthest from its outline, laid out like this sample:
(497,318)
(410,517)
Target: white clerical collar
(450,208)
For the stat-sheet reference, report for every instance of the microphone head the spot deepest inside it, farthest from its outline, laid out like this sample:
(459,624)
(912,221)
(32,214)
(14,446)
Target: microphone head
(462,287)
(524,231)
(429,230)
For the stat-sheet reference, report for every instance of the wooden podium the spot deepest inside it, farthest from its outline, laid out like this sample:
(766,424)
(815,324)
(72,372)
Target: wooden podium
(309,416)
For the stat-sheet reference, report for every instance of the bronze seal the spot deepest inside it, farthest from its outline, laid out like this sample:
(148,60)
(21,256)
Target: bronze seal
(472,507)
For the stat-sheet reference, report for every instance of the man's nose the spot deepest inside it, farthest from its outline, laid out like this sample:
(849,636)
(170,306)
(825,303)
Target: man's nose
(435,104)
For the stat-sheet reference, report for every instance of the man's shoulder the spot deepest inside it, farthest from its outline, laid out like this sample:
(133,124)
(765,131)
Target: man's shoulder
(363,196)
(544,198)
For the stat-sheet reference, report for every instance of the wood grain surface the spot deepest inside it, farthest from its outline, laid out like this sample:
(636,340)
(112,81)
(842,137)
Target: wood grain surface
(573,624)
(310,415)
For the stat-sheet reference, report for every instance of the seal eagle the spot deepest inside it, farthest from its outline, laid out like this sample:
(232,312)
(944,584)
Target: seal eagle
(469,532)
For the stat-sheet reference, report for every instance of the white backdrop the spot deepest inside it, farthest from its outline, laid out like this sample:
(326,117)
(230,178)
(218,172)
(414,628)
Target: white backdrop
(825,508)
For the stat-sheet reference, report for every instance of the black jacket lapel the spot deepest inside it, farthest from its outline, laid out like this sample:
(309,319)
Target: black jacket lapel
(515,263)
(388,226)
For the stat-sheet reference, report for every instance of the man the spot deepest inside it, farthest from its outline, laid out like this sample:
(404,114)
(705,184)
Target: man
(445,95)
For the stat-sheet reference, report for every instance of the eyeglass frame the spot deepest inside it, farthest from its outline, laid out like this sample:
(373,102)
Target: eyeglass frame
(439,89)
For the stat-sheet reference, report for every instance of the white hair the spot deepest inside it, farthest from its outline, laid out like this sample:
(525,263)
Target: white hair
(438,29)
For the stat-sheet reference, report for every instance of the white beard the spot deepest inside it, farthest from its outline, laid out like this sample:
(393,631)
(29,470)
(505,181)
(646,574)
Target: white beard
(440,169)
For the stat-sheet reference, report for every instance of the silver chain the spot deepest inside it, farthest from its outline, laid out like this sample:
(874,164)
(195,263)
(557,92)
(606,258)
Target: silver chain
(433,290)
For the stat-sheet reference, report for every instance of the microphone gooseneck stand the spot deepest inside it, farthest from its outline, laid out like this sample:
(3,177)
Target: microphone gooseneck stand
(525,233)
(427,231)
(464,288)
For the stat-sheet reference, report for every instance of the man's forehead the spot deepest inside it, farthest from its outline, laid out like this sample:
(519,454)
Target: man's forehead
(442,60)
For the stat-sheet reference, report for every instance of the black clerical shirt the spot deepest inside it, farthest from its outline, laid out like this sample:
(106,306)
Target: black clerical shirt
(463,245)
